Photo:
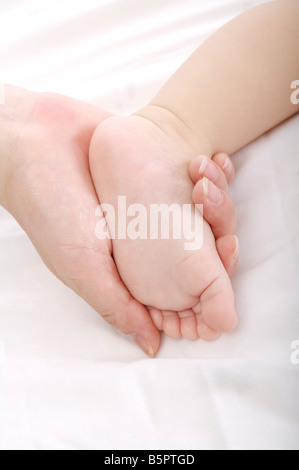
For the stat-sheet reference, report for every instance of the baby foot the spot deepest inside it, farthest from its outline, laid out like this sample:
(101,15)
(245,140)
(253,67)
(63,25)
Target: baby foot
(187,292)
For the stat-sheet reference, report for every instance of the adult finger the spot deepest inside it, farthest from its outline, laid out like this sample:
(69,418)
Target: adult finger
(228,248)
(223,161)
(218,209)
(220,169)
(203,166)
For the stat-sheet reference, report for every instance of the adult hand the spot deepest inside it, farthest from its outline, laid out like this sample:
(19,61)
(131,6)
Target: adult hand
(45,184)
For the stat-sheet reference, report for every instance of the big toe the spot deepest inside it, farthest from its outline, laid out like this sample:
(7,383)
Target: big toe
(217,306)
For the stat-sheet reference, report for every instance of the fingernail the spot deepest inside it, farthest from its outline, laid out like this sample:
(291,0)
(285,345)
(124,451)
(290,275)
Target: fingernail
(211,192)
(237,250)
(226,164)
(145,346)
(203,165)
(208,169)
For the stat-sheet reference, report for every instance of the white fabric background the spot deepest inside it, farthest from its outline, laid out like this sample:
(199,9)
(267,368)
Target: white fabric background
(68,381)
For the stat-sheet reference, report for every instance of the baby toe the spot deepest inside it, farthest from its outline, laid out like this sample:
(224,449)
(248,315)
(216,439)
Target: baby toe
(218,306)
(171,324)
(157,317)
(205,332)
(188,325)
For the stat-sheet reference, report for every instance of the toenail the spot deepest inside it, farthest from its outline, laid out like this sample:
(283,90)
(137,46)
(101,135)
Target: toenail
(208,169)
(197,309)
(211,192)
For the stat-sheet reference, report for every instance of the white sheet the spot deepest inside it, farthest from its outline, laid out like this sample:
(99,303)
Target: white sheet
(68,381)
